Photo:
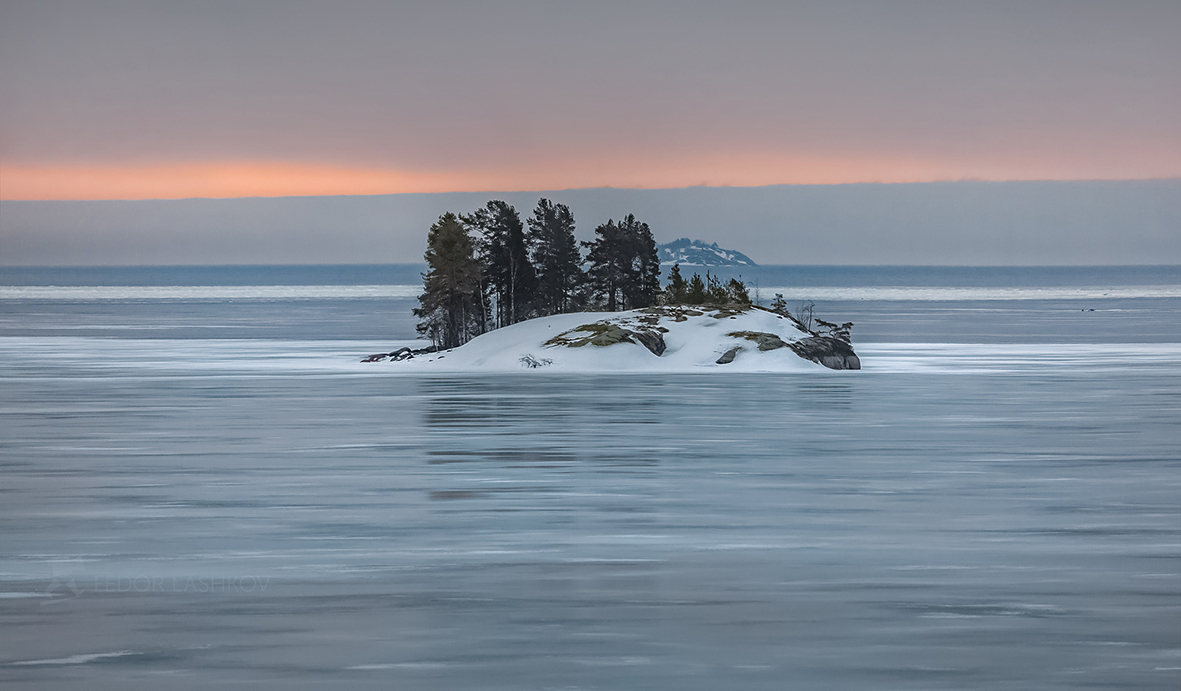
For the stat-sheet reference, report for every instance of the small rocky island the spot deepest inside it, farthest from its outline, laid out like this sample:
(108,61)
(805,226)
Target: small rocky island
(656,339)
(499,297)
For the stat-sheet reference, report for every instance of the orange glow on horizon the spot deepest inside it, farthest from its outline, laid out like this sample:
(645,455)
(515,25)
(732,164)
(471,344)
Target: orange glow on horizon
(222,180)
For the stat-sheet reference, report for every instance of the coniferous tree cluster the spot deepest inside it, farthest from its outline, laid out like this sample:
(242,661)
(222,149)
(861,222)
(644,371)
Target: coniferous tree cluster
(504,260)
(710,291)
(624,264)
(555,254)
(487,269)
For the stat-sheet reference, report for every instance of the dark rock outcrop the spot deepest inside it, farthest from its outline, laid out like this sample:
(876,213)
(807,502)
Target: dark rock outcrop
(605,333)
(831,352)
(728,356)
(399,354)
(765,341)
(652,340)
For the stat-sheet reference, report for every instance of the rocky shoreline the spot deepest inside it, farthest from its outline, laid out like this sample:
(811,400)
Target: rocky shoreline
(694,328)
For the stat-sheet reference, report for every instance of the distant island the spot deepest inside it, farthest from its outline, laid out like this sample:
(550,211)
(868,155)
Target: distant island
(688,252)
(489,271)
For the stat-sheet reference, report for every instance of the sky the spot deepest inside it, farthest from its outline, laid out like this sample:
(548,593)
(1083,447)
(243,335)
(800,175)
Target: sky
(132,100)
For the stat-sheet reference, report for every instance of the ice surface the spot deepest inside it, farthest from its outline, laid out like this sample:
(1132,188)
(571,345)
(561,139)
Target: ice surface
(945,521)
(215,493)
(270,292)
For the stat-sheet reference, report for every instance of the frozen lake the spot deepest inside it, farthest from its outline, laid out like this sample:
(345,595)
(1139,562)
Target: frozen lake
(265,512)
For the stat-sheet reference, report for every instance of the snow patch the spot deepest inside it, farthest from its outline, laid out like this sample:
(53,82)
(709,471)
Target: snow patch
(694,341)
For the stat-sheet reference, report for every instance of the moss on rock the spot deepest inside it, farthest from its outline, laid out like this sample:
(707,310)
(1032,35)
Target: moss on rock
(605,333)
(597,334)
(765,341)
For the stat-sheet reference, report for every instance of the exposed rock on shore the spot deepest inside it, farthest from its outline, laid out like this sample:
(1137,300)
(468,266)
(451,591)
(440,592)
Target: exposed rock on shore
(605,333)
(654,339)
(764,341)
(831,352)
(728,356)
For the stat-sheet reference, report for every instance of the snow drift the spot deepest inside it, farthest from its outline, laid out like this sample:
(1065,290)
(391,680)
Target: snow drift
(657,339)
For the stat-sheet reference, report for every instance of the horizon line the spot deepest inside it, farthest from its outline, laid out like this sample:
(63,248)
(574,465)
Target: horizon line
(694,266)
(967,180)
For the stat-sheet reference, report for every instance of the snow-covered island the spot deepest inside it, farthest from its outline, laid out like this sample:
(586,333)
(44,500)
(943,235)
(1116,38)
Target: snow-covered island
(688,252)
(661,339)
(498,298)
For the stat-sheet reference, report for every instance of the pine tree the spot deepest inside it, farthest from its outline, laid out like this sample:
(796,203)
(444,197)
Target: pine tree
(609,259)
(737,293)
(715,292)
(504,252)
(677,289)
(555,256)
(696,293)
(452,303)
(644,284)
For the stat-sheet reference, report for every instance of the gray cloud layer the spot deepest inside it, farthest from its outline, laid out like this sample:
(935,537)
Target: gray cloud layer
(451,85)
(960,223)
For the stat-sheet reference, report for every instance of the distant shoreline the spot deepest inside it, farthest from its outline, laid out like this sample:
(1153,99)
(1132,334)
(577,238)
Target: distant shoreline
(410,274)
